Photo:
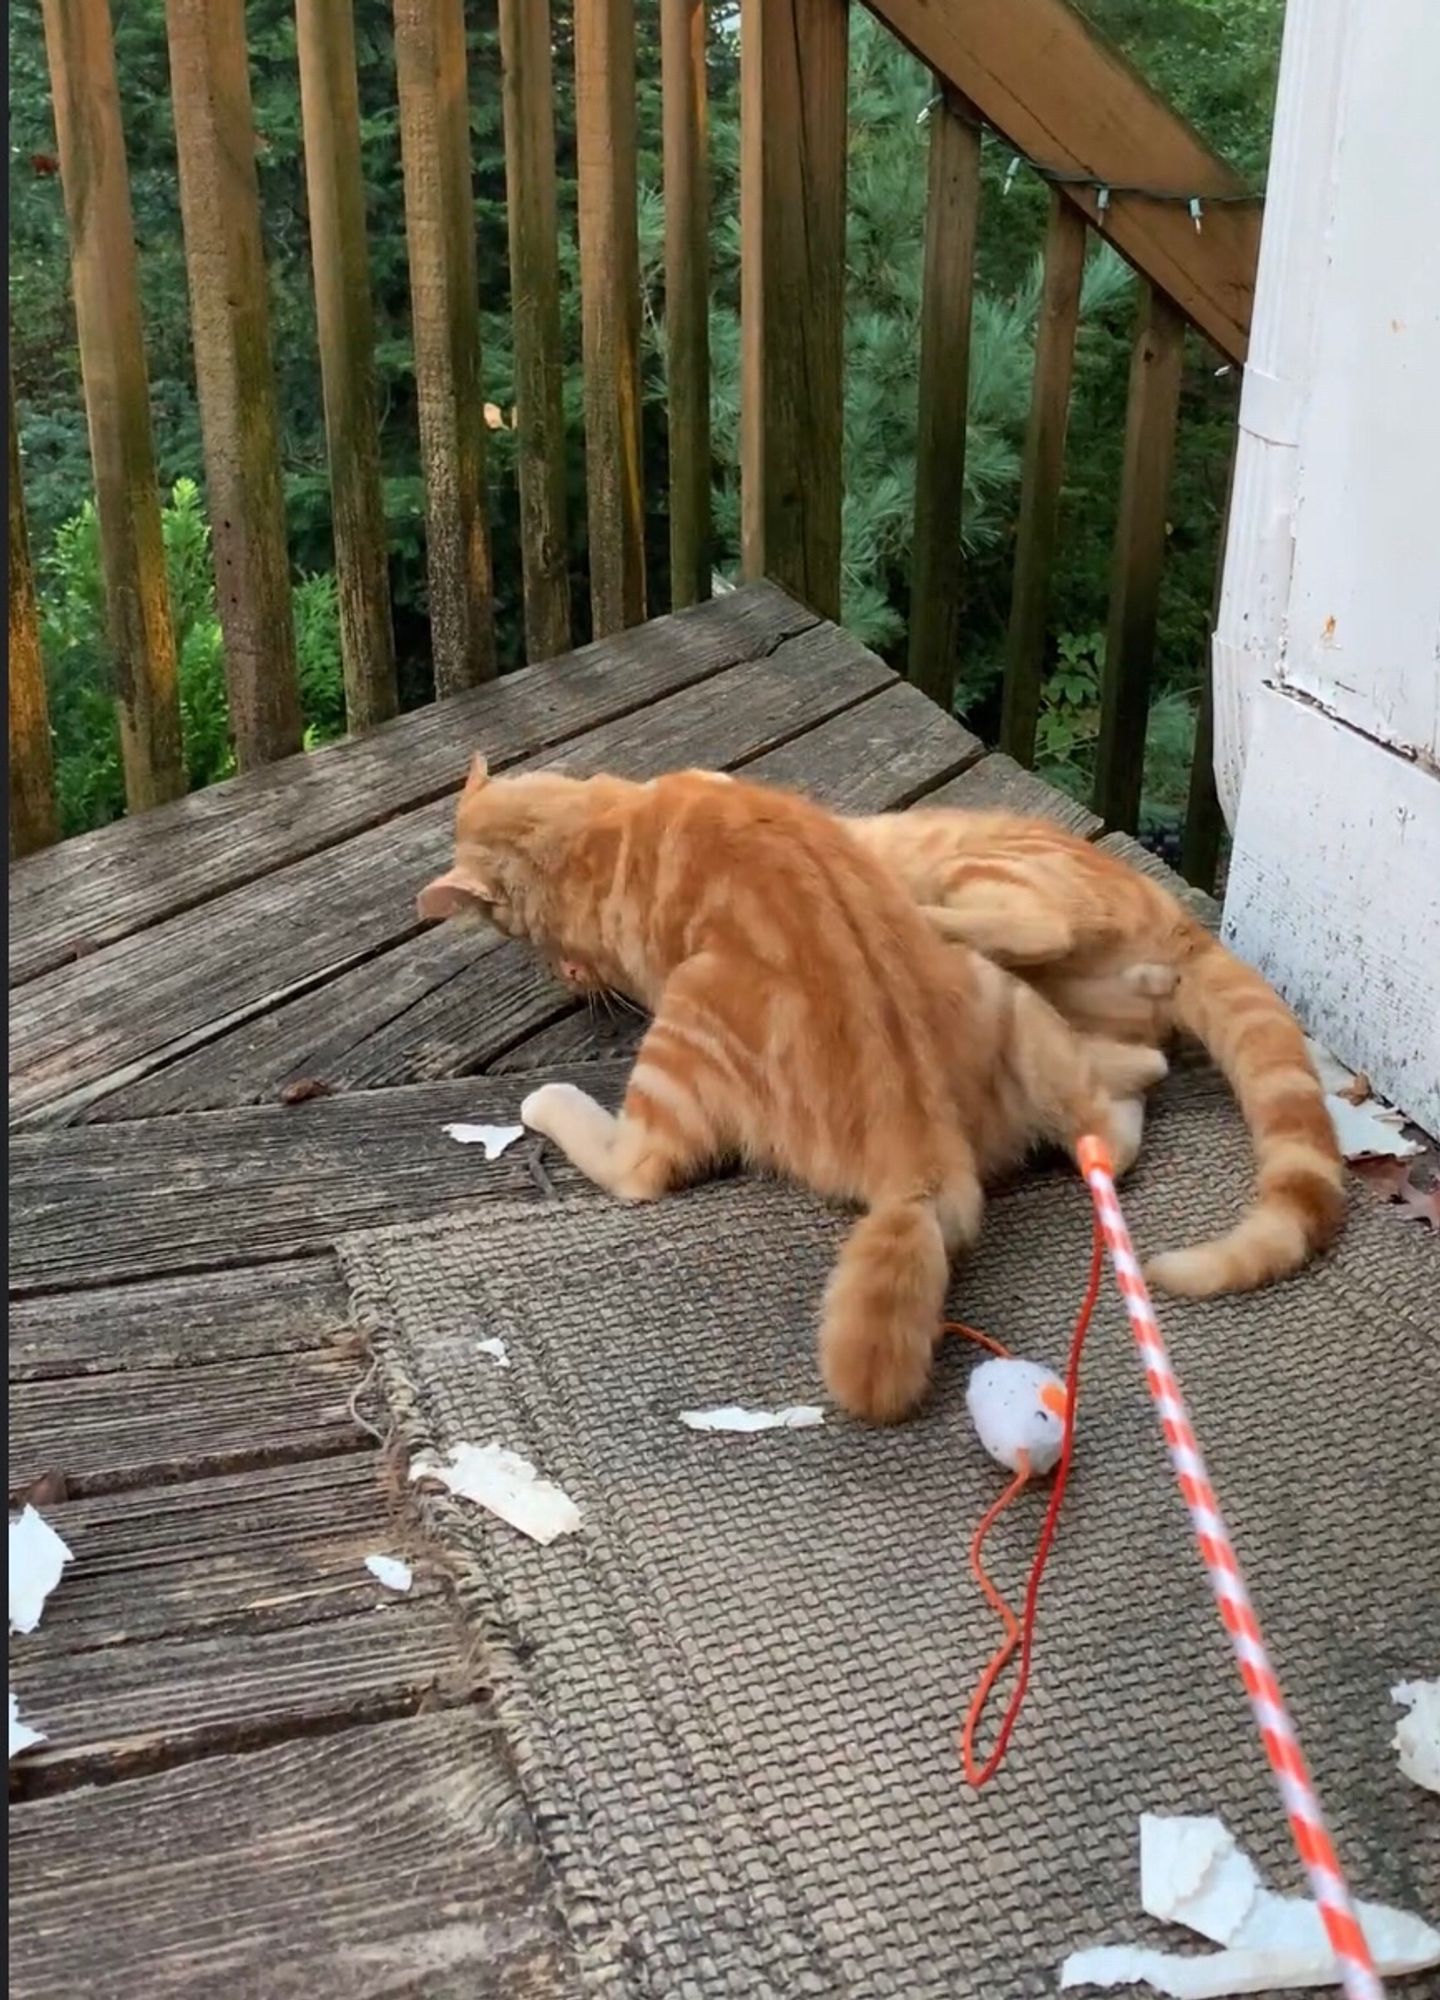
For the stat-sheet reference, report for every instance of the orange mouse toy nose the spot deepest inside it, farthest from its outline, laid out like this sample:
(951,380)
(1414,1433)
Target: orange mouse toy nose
(1054,1399)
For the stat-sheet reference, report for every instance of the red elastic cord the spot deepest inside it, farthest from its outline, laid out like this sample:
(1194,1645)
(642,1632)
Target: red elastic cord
(1025,1630)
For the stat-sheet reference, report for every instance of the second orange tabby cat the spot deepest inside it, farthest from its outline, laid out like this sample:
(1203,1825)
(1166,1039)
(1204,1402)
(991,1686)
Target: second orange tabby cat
(1117,954)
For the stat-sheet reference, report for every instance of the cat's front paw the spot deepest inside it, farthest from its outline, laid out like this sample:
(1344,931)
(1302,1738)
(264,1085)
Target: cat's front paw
(551,1107)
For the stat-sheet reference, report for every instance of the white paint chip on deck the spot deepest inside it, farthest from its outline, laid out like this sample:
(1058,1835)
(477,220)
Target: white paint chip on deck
(506,1485)
(497,1351)
(732,1417)
(37,1556)
(494,1138)
(1417,1735)
(1193,1873)
(1365,1130)
(22,1736)
(391,1571)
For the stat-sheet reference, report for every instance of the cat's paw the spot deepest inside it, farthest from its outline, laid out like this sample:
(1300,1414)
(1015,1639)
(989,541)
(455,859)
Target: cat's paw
(550,1108)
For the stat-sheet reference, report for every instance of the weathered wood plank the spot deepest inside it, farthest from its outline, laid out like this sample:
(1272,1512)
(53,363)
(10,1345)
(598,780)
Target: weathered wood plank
(793,82)
(528,87)
(1060,93)
(448,1001)
(610,310)
(33,822)
(101,1203)
(1151,410)
(243,1553)
(599,1034)
(687,293)
(121,879)
(384,1863)
(1041,474)
(121,1709)
(440,232)
(937,569)
(334,182)
(877,757)
(145,1425)
(102,886)
(999,784)
(181,1322)
(105,287)
(230,334)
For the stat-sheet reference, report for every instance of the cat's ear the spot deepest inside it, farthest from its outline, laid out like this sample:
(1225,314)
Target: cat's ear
(479,772)
(453,894)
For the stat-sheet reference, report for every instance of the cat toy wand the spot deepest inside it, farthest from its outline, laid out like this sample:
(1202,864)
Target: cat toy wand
(1292,1776)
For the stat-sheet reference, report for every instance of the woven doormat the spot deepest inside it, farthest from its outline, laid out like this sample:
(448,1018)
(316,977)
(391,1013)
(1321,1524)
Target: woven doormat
(732,1699)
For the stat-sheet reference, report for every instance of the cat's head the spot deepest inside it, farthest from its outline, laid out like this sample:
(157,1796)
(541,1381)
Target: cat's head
(522,863)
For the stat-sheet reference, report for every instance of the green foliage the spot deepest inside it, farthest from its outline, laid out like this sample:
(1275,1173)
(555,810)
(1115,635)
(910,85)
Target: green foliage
(1214,58)
(89,780)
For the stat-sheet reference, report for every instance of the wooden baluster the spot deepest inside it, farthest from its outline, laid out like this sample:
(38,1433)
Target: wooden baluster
(106,289)
(230,334)
(793,83)
(610,310)
(535,315)
(1151,410)
(936,570)
(687,294)
(32,759)
(1204,821)
(1042,471)
(334,179)
(440,232)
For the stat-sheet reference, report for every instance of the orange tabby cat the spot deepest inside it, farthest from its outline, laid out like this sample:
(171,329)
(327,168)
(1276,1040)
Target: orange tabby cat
(1116,954)
(806,1019)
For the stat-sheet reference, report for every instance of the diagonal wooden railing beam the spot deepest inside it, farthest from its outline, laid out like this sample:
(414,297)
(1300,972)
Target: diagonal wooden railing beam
(1057,92)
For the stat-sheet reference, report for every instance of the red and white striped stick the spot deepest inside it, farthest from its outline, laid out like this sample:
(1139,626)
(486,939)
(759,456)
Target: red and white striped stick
(1277,1731)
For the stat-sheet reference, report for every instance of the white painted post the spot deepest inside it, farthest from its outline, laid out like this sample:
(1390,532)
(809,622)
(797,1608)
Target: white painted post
(1256,578)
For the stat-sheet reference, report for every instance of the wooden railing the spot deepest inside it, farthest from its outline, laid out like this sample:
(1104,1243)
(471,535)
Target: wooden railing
(1028,70)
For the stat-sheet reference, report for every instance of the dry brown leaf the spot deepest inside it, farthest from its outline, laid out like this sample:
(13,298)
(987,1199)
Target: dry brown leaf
(1420,1204)
(1383,1175)
(50,1489)
(303,1089)
(1357,1090)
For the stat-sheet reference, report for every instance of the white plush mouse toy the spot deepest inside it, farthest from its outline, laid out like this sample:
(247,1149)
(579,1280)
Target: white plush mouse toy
(1019,1407)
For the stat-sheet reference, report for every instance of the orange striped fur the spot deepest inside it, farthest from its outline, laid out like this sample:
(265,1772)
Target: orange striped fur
(806,1020)
(1117,955)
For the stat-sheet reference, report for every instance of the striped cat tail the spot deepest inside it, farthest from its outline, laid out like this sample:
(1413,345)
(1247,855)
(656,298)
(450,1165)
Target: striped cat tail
(1259,1046)
(883,1309)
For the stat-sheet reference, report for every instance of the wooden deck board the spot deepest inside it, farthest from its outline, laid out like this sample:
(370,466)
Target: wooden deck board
(120,1709)
(227,1316)
(240,1553)
(105,885)
(149,998)
(96,1204)
(391,1860)
(141,1427)
(999,784)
